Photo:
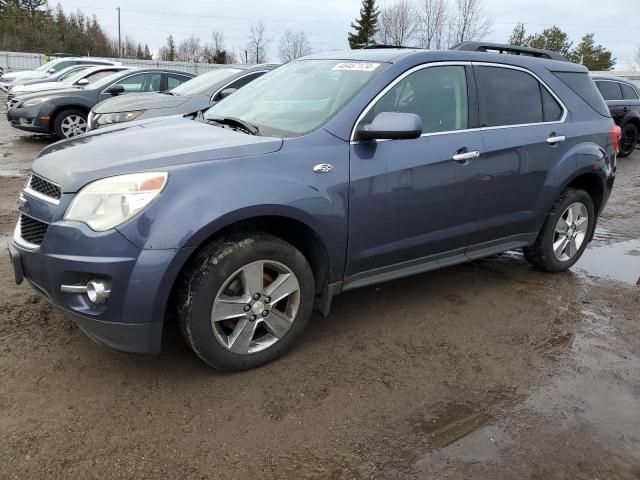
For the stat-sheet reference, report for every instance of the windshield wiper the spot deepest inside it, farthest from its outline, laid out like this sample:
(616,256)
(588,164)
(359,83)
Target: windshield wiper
(168,92)
(234,122)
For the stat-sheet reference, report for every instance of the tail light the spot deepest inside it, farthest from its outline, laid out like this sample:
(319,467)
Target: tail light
(616,134)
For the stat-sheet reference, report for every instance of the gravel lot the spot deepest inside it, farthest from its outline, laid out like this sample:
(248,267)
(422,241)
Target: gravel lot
(485,370)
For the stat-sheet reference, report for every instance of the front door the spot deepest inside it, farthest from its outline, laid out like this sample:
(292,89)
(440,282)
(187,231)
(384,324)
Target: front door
(411,201)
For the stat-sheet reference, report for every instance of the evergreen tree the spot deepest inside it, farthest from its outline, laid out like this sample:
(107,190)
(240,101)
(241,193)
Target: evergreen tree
(594,57)
(366,26)
(147,53)
(168,52)
(552,39)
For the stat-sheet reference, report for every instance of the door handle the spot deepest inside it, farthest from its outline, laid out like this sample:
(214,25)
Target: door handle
(556,139)
(464,157)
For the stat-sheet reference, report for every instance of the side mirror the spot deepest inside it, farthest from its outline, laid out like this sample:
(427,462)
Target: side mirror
(50,71)
(82,82)
(391,126)
(116,89)
(226,92)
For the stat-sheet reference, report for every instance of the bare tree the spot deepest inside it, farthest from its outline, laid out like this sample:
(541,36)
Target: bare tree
(470,23)
(638,57)
(432,18)
(189,50)
(293,45)
(215,52)
(257,45)
(396,24)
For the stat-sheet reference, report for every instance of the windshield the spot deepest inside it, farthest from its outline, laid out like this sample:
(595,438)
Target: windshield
(204,82)
(48,65)
(77,75)
(68,73)
(298,97)
(104,81)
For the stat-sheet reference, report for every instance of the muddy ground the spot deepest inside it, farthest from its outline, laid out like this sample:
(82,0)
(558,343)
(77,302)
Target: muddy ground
(485,370)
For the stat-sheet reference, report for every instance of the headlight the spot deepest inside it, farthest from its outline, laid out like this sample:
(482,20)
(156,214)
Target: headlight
(33,102)
(109,118)
(105,204)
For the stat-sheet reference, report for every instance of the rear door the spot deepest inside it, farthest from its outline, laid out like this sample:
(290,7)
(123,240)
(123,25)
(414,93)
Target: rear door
(524,134)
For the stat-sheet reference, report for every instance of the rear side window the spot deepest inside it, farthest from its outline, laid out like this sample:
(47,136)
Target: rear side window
(583,86)
(174,80)
(551,109)
(628,92)
(509,97)
(610,90)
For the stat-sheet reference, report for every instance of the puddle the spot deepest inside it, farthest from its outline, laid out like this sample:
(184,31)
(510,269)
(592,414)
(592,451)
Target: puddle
(454,423)
(618,261)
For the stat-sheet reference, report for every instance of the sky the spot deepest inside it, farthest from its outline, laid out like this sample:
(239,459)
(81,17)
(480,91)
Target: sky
(326,23)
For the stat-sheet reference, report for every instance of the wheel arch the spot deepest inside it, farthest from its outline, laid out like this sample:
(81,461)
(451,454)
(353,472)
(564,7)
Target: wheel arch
(61,108)
(288,228)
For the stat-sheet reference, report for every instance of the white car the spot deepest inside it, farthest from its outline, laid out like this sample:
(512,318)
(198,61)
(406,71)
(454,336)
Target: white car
(76,79)
(48,68)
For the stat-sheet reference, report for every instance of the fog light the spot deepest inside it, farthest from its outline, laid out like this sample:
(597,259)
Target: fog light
(98,292)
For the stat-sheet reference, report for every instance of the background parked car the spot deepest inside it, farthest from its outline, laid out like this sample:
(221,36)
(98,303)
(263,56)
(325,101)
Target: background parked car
(81,79)
(50,68)
(55,77)
(623,100)
(64,112)
(192,96)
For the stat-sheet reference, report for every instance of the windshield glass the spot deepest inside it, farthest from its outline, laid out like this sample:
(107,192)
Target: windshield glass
(77,75)
(104,81)
(48,65)
(298,97)
(204,82)
(70,72)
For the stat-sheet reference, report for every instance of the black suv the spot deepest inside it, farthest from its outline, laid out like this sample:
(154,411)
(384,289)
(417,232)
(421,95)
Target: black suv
(624,103)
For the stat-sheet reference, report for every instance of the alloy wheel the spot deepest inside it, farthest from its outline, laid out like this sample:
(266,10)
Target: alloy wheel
(570,231)
(255,307)
(73,125)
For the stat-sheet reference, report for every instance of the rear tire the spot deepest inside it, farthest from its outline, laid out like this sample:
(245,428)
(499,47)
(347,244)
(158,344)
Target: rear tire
(245,300)
(629,140)
(565,233)
(70,123)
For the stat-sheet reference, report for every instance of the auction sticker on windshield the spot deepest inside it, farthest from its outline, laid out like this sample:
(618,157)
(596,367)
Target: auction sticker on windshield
(356,66)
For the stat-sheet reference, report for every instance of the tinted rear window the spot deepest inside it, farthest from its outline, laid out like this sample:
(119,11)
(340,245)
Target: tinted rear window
(628,92)
(508,97)
(609,90)
(583,86)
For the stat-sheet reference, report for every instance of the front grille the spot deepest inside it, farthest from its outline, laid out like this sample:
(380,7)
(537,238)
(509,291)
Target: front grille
(32,230)
(45,187)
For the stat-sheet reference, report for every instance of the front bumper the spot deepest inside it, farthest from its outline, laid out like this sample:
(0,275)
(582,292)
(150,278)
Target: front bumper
(29,119)
(140,280)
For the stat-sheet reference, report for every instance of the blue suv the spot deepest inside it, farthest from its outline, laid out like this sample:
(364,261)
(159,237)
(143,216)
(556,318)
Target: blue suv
(330,173)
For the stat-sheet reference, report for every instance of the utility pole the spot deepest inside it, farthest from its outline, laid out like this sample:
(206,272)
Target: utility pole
(119,35)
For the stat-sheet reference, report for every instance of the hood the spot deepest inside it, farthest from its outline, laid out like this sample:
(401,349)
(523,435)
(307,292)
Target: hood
(30,74)
(142,101)
(61,92)
(153,144)
(38,87)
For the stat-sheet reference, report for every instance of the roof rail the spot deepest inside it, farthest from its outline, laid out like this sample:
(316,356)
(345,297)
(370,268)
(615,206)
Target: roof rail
(512,49)
(369,47)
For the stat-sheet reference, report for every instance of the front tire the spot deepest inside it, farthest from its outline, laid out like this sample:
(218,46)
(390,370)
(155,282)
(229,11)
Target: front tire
(629,140)
(565,233)
(245,301)
(70,123)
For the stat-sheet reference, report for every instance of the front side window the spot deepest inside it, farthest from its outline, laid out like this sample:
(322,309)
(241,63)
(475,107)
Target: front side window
(628,92)
(438,95)
(64,64)
(143,82)
(610,90)
(299,97)
(510,97)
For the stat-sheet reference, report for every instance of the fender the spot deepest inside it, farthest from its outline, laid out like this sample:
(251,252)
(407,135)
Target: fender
(631,116)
